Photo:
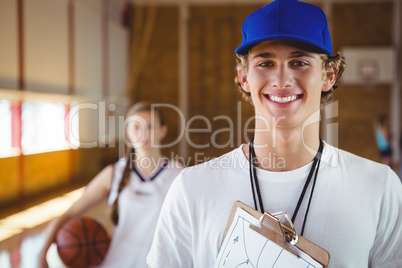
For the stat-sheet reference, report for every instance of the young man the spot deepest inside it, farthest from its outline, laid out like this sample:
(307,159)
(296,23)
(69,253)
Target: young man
(286,68)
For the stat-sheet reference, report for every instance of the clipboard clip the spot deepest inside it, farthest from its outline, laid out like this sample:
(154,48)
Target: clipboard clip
(288,229)
(278,228)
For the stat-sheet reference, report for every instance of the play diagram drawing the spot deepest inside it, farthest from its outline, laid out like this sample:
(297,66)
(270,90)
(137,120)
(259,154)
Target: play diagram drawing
(245,248)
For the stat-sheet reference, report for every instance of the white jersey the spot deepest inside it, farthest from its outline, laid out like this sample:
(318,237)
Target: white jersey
(355,213)
(139,207)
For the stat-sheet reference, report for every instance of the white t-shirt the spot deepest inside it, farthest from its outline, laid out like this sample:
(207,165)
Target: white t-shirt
(355,213)
(139,207)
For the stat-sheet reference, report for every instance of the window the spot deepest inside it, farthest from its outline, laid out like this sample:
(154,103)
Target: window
(5,133)
(43,127)
(37,127)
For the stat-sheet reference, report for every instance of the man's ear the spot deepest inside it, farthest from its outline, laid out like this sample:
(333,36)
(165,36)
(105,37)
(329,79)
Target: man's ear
(242,77)
(330,78)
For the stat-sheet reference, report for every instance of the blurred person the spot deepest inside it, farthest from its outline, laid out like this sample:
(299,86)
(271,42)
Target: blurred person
(135,187)
(351,206)
(383,138)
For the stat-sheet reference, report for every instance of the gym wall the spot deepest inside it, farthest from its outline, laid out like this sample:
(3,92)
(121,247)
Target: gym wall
(362,24)
(69,52)
(213,34)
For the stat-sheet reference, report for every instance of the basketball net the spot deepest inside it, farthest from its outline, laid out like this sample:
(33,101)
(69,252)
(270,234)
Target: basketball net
(368,72)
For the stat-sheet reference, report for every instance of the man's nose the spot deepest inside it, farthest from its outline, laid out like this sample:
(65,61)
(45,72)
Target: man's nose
(282,77)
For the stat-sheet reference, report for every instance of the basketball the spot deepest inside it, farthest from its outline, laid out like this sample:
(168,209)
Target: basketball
(82,242)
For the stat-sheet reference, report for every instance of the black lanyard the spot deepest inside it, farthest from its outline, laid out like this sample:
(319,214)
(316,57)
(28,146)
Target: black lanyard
(256,189)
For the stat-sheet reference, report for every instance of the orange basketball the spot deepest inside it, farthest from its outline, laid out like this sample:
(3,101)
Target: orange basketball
(82,242)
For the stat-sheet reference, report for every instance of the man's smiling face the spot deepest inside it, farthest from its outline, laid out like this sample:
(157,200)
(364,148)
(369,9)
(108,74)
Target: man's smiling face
(285,81)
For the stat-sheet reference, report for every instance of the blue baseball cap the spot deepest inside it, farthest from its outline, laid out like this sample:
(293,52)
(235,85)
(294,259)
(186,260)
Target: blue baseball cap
(288,20)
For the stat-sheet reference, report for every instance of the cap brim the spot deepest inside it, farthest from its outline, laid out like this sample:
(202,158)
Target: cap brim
(246,47)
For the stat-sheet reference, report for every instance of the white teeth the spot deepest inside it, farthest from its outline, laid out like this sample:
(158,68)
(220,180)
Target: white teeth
(283,99)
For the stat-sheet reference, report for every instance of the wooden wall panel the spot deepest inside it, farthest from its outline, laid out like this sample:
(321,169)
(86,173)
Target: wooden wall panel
(361,24)
(158,77)
(44,171)
(9,44)
(88,51)
(46,46)
(359,108)
(9,179)
(118,61)
(88,162)
(51,171)
(215,32)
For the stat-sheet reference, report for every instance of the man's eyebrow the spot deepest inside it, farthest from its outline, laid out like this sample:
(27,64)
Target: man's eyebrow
(295,54)
(265,55)
(298,54)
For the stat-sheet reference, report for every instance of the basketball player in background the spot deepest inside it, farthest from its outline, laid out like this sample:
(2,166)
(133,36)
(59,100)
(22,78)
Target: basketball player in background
(383,139)
(352,206)
(135,187)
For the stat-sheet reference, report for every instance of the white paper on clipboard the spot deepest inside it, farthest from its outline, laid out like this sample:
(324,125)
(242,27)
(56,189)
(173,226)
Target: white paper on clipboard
(243,247)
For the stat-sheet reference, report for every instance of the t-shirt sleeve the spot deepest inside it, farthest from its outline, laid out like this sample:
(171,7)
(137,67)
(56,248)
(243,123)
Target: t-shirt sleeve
(387,247)
(172,246)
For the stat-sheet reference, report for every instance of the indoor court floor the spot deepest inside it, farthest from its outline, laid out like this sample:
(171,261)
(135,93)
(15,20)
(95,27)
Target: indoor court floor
(22,234)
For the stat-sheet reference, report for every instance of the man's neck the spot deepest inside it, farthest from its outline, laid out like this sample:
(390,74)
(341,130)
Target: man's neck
(287,149)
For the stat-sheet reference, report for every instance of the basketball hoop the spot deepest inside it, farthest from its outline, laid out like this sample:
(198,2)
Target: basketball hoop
(368,71)
(369,66)
(369,80)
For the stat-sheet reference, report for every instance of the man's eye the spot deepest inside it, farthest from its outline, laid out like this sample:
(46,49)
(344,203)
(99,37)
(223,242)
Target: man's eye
(265,64)
(299,63)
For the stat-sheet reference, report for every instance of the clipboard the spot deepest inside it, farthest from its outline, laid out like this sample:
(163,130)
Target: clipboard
(279,233)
